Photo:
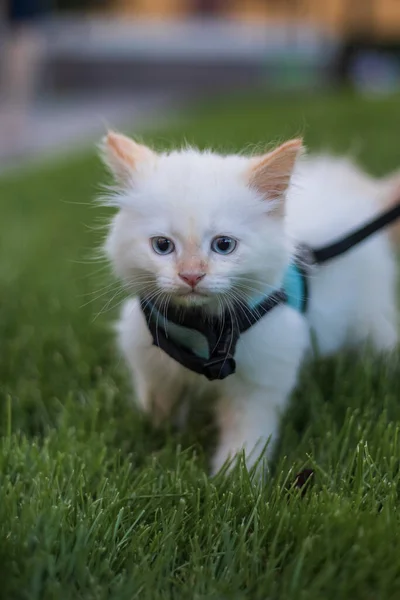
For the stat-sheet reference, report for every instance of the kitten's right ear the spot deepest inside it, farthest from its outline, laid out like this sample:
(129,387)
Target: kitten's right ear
(270,174)
(122,156)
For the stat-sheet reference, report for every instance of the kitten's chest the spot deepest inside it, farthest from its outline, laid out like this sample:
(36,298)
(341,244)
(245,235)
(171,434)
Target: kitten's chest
(272,346)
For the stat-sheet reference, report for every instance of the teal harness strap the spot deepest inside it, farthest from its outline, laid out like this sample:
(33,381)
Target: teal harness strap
(295,286)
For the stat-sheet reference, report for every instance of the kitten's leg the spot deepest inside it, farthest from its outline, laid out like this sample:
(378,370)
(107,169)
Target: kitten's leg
(377,321)
(158,381)
(384,335)
(268,360)
(248,422)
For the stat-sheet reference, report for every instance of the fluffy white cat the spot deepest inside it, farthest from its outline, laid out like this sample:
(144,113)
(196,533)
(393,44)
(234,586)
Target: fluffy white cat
(199,229)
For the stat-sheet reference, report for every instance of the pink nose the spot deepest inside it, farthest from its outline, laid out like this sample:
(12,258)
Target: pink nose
(191,279)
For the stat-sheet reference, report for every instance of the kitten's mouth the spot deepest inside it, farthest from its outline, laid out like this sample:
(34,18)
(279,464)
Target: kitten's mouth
(197,294)
(192,294)
(192,297)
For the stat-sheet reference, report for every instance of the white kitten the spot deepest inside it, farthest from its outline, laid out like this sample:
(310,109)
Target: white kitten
(165,244)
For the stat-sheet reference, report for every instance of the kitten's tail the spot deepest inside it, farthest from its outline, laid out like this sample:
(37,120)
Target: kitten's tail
(389,196)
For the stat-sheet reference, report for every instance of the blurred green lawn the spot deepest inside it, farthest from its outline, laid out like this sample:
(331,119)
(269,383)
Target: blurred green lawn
(94,504)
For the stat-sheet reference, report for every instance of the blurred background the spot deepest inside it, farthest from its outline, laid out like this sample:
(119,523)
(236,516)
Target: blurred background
(68,68)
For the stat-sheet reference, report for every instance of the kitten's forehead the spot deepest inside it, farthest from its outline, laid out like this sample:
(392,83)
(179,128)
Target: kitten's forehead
(198,162)
(195,188)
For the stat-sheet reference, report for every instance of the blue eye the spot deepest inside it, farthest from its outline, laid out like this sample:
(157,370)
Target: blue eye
(162,245)
(223,245)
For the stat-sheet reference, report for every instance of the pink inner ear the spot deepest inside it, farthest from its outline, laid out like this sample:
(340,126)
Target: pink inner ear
(270,174)
(122,155)
(122,148)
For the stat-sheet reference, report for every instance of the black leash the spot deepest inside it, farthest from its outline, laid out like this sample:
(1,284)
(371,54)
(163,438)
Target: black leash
(322,255)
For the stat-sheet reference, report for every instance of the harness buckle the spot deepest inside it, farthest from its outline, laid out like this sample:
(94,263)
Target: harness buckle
(219,368)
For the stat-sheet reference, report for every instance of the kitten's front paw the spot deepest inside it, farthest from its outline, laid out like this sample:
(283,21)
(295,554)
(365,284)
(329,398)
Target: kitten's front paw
(223,457)
(226,458)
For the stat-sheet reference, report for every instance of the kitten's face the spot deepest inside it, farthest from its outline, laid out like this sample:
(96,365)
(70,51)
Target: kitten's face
(195,229)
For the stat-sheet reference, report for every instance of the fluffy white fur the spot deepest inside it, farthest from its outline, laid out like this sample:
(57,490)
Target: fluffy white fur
(192,196)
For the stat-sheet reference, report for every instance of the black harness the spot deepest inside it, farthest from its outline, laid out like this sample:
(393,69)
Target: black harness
(218,336)
(221,334)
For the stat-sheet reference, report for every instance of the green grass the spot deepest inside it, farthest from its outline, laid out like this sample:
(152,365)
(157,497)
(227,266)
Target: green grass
(94,503)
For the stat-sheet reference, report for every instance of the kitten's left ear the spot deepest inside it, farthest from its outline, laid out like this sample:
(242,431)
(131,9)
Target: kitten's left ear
(270,174)
(122,156)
